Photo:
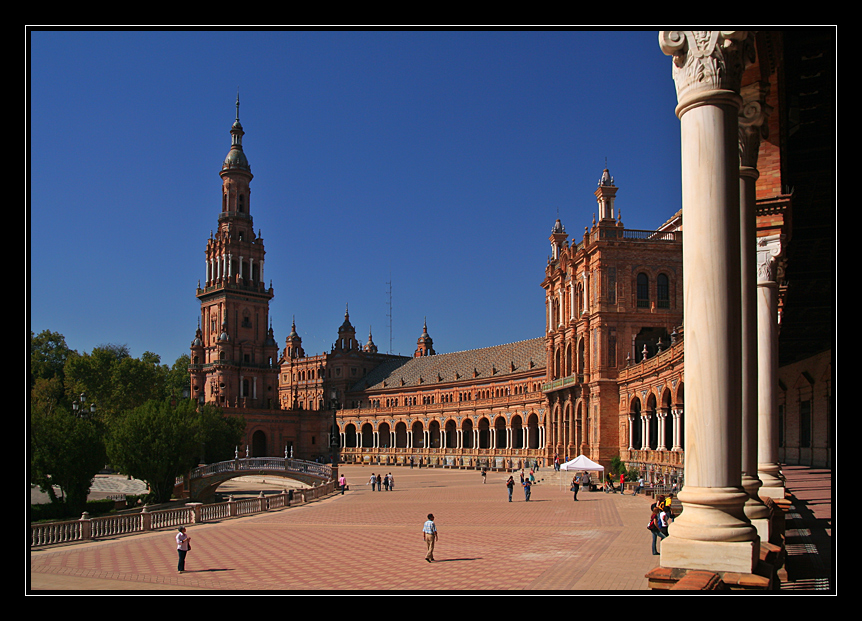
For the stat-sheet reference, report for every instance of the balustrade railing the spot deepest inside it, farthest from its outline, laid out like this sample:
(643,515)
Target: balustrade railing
(86,528)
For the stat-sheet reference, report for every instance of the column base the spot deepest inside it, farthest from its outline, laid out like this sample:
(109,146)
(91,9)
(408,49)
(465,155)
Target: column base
(775,492)
(718,556)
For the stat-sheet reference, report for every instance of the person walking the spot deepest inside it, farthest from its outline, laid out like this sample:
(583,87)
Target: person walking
(510,484)
(373,481)
(391,482)
(379,482)
(184,544)
(575,484)
(484,476)
(527,490)
(639,486)
(342,482)
(622,483)
(429,534)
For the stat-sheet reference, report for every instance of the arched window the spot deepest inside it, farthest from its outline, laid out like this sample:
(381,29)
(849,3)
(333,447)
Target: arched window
(662,291)
(643,291)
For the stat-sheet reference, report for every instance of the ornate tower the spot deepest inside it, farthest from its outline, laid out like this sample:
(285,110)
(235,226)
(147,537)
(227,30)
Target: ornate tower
(234,354)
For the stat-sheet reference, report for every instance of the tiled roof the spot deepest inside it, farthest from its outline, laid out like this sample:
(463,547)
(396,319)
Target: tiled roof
(488,364)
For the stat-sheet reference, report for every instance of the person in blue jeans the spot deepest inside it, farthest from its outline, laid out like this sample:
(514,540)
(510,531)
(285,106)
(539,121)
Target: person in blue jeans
(527,489)
(656,529)
(510,484)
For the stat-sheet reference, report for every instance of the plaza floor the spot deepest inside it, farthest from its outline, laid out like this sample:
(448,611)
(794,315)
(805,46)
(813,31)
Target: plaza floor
(371,541)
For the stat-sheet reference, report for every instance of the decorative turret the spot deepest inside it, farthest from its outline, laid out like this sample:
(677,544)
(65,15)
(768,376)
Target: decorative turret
(424,345)
(236,159)
(346,334)
(605,195)
(370,347)
(293,344)
(558,239)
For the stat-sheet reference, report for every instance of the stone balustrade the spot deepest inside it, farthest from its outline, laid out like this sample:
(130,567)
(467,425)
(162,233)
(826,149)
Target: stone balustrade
(88,529)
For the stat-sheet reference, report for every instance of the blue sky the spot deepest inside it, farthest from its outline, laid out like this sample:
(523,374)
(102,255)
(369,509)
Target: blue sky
(437,161)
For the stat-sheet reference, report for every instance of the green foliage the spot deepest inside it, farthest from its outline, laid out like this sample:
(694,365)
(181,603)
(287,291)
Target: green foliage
(48,355)
(617,465)
(158,441)
(62,511)
(177,379)
(66,451)
(154,443)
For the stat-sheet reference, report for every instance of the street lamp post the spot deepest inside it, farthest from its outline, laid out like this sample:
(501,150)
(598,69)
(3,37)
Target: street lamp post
(80,408)
(334,443)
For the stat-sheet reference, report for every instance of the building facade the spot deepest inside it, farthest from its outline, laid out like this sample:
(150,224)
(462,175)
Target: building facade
(606,379)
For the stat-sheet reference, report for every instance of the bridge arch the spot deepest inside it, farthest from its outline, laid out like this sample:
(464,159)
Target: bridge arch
(203,480)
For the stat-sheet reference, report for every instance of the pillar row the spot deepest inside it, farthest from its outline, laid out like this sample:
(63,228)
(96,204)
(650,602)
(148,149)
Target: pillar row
(713,532)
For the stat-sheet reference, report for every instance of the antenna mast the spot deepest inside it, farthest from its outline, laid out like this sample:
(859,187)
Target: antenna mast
(389,314)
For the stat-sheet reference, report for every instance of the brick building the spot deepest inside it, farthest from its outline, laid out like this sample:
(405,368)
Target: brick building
(606,379)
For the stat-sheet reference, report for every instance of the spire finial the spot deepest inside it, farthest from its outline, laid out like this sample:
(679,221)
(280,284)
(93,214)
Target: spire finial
(237,104)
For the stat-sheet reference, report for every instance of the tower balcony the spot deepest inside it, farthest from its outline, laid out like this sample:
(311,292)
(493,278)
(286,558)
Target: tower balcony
(231,215)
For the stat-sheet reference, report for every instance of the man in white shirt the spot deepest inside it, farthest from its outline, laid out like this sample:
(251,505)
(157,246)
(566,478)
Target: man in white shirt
(429,533)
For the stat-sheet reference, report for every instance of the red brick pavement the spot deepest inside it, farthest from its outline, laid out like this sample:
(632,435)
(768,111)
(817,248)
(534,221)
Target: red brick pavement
(368,540)
(809,542)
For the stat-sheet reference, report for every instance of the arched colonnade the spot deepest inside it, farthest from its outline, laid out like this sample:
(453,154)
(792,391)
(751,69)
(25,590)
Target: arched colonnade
(656,422)
(509,431)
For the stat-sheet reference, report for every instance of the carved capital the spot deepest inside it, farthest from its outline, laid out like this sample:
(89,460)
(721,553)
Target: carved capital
(769,255)
(752,122)
(705,61)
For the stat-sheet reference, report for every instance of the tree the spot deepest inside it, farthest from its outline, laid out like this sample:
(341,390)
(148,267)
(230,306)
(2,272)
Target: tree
(177,378)
(157,441)
(65,450)
(114,380)
(218,434)
(48,355)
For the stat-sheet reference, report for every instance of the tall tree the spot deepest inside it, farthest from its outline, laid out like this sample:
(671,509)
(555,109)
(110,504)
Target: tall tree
(159,441)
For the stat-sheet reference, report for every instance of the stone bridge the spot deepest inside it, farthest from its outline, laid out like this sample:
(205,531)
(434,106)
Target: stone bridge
(201,482)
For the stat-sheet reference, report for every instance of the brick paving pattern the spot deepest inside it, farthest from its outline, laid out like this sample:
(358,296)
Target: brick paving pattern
(372,541)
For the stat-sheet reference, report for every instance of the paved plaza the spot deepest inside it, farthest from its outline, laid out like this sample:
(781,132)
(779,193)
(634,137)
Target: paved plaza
(372,541)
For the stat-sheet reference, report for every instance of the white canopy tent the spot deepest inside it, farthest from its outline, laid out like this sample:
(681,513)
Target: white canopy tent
(584,463)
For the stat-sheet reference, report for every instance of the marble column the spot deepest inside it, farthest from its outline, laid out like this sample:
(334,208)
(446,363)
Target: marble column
(677,429)
(662,429)
(769,250)
(713,532)
(752,127)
